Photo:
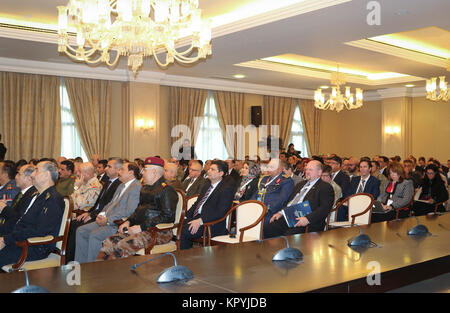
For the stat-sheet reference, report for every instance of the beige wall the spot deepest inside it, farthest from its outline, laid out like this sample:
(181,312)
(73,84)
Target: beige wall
(352,133)
(431,129)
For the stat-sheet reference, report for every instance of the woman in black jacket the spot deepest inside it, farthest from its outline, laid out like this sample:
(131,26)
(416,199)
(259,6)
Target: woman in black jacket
(248,183)
(157,204)
(433,191)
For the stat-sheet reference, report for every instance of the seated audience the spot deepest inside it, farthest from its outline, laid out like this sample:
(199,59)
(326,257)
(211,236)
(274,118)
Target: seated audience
(8,189)
(157,204)
(66,182)
(89,237)
(412,175)
(10,214)
(274,189)
(433,191)
(170,175)
(320,196)
(212,204)
(248,183)
(101,171)
(365,183)
(291,151)
(397,194)
(86,187)
(375,172)
(326,177)
(41,218)
(105,196)
(195,181)
(288,172)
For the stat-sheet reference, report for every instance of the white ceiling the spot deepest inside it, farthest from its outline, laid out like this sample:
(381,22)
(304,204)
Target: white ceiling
(319,33)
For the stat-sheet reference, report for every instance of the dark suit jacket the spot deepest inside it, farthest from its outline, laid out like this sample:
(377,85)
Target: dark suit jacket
(104,197)
(250,189)
(343,180)
(196,187)
(217,205)
(104,179)
(321,199)
(372,186)
(42,219)
(11,214)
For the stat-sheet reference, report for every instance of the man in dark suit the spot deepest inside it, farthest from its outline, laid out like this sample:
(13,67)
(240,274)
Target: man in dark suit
(384,162)
(337,175)
(194,183)
(105,196)
(10,214)
(364,183)
(101,171)
(41,218)
(320,196)
(212,204)
(8,188)
(274,190)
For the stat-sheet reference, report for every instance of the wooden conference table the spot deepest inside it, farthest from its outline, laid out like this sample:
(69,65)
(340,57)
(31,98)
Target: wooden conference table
(328,264)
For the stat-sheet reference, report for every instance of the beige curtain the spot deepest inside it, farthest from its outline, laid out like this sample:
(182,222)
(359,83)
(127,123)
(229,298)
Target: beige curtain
(311,124)
(90,100)
(31,116)
(230,111)
(185,105)
(279,111)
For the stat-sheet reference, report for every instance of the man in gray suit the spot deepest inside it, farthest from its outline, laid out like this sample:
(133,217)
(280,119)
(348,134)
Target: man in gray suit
(193,184)
(89,237)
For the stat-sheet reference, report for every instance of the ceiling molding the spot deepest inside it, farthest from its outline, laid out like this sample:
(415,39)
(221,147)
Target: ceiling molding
(399,52)
(84,71)
(274,15)
(306,72)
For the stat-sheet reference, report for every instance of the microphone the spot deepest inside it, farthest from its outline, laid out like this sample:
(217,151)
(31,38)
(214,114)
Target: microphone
(172,274)
(29,288)
(362,240)
(419,229)
(286,254)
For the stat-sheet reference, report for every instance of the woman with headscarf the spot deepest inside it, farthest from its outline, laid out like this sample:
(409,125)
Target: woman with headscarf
(248,183)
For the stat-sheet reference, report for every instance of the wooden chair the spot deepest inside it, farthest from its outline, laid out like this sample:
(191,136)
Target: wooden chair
(405,208)
(176,227)
(249,223)
(58,255)
(190,201)
(359,210)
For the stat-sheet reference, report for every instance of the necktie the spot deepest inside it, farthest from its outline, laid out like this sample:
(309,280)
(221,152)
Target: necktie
(17,199)
(361,186)
(299,197)
(203,200)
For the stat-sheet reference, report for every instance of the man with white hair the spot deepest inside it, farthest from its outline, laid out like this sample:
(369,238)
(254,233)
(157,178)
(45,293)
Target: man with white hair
(320,196)
(86,188)
(41,218)
(274,189)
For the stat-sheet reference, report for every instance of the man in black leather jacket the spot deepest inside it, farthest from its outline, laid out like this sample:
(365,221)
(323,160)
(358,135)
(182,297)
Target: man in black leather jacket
(157,204)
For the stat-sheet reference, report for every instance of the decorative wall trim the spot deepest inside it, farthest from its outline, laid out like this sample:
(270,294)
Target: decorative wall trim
(101,72)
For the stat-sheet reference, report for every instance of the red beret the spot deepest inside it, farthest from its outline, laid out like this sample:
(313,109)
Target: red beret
(154,161)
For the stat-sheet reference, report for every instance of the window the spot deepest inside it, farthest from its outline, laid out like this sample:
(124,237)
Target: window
(70,140)
(297,135)
(209,144)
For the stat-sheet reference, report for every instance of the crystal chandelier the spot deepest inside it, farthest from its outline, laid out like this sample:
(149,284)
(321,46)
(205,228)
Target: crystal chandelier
(432,94)
(108,29)
(337,100)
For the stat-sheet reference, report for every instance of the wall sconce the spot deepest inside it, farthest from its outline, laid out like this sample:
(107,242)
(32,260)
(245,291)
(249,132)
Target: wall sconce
(391,130)
(145,125)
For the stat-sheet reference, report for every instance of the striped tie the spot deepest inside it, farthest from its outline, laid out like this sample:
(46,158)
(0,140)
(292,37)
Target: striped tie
(361,186)
(203,200)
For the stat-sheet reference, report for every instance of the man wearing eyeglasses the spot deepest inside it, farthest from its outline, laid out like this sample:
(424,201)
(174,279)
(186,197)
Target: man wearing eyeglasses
(194,183)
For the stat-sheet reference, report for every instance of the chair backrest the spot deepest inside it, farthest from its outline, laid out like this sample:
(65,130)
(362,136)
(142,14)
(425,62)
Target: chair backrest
(250,217)
(360,204)
(64,228)
(190,201)
(181,206)
(417,193)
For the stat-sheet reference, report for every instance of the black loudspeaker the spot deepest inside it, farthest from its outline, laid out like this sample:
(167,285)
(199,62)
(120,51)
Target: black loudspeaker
(256,115)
